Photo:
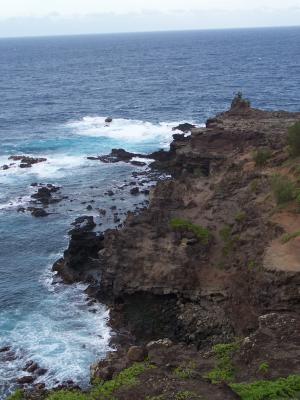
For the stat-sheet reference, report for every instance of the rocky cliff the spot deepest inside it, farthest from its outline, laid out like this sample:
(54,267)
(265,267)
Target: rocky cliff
(216,255)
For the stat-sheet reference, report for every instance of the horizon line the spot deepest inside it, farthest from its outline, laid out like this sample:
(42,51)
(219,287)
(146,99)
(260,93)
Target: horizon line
(150,31)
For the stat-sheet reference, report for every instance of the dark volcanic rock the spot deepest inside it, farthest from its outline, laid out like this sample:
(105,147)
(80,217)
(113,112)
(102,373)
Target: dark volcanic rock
(25,380)
(138,163)
(27,162)
(186,127)
(135,191)
(83,224)
(37,212)
(80,261)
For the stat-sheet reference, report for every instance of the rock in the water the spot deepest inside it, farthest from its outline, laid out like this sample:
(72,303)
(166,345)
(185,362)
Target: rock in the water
(138,163)
(27,162)
(37,212)
(41,371)
(186,127)
(25,380)
(5,167)
(108,120)
(135,191)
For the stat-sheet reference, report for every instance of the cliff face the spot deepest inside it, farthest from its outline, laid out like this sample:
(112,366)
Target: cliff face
(208,261)
(215,290)
(169,282)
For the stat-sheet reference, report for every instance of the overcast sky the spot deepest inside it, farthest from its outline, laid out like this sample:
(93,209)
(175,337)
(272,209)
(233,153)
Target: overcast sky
(50,17)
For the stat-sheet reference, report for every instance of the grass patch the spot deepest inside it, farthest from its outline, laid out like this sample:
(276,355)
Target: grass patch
(284,190)
(68,395)
(224,370)
(294,139)
(105,390)
(187,395)
(241,216)
(202,234)
(264,368)
(160,397)
(228,239)
(261,157)
(18,395)
(289,236)
(283,388)
(185,371)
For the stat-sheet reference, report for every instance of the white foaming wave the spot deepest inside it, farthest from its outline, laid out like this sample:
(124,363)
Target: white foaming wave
(55,167)
(125,129)
(65,334)
(18,202)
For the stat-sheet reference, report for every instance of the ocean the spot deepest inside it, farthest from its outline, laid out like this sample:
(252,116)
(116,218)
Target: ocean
(55,95)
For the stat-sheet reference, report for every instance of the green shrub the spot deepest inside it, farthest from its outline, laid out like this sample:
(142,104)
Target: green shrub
(68,395)
(187,395)
(294,139)
(241,216)
(283,189)
(289,236)
(202,234)
(254,185)
(280,389)
(185,371)
(105,390)
(261,156)
(264,368)
(126,378)
(228,239)
(224,370)
(18,395)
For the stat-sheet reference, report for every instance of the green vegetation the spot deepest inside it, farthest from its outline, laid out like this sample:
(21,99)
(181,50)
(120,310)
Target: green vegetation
(228,239)
(252,265)
(264,368)
(289,236)
(294,139)
(68,395)
(261,157)
(185,371)
(18,395)
(240,216)
(202,234)
(254,185)
(160,397)
(280,389)
(284,190)
(105,390)
(224,370)
(187,395)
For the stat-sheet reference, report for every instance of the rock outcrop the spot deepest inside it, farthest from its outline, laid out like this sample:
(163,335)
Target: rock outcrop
(193,267)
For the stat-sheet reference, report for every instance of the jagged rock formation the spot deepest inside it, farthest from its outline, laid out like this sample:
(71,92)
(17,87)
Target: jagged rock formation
(163,280)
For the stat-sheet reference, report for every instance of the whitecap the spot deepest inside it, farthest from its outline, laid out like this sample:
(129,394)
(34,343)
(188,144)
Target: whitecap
(125,130)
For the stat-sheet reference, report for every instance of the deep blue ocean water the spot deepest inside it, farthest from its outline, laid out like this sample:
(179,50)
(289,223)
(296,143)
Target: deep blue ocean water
(54,96)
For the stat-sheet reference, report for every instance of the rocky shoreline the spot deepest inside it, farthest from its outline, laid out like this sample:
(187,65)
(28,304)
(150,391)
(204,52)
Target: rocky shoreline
(205,264)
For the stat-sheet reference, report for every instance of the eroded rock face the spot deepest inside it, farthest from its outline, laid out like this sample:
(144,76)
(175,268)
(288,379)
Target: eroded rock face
(165,282)
(273,350)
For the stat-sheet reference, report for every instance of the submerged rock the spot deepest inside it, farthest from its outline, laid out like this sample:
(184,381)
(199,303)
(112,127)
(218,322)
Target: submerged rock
(26,161)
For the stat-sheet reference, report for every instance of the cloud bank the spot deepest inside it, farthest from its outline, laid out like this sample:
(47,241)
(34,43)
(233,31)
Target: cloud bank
(55,24)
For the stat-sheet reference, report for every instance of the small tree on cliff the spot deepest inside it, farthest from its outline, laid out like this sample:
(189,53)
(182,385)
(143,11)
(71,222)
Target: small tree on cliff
(239,102)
